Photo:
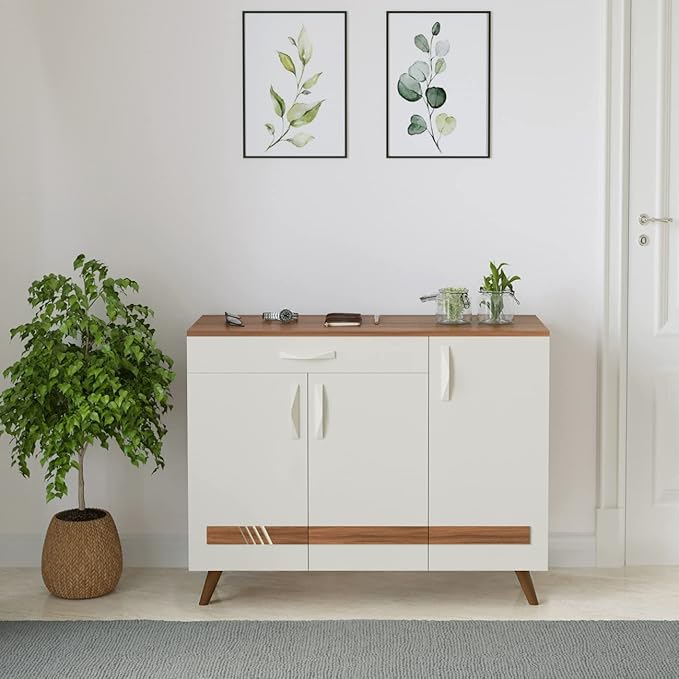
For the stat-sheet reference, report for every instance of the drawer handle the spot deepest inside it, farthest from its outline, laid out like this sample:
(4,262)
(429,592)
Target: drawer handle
(294,410)
(324,356)
(445,373)
(319,407)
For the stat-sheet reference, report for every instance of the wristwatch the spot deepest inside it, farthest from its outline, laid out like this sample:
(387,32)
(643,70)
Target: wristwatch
(284,316)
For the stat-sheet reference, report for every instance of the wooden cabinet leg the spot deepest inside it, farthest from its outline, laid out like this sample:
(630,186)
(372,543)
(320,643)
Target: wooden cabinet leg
(526,582)
(211,580)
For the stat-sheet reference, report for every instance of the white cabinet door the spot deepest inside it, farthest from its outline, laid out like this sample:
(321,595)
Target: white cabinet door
(368,472)
(488,453)
(247,472)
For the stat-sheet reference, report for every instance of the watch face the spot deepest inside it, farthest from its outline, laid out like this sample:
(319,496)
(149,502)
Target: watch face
(285,315)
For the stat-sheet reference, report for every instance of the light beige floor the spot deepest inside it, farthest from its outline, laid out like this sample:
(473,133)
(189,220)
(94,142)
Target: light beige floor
(172,594)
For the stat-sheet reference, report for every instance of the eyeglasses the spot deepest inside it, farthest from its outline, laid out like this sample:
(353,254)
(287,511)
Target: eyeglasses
(233,319)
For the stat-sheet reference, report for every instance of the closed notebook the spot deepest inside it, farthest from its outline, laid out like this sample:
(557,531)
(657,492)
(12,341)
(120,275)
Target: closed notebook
(338,320)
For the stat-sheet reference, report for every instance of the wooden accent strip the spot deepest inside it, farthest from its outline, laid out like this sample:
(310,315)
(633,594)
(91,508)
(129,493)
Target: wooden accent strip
(372,535)
(479,535)
(368,535)
(288,535)
(225,535)
(421,325)
(246,535)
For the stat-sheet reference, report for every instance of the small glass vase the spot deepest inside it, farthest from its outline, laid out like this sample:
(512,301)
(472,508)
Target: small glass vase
(497,308)
(452,305)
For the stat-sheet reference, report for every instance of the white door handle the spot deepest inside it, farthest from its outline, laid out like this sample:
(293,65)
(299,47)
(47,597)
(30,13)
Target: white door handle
(324,356)
(319,407)
(294,410)
(446,370)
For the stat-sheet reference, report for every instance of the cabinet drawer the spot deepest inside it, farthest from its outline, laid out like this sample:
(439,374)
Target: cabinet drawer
(307,354)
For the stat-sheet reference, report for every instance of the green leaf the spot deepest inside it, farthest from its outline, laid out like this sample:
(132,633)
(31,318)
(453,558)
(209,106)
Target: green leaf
(445,124)
(270,128)
(301,139)
(417,125)
(308,84)
(422,43)
(304,47)
(278,102)
(288,63)
(419,70)
(436,28)
(440,66)
(303,114)
(436,96)
(442,48)
(409,88)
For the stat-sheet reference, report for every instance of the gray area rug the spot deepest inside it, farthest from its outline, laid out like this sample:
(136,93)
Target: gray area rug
(350,649)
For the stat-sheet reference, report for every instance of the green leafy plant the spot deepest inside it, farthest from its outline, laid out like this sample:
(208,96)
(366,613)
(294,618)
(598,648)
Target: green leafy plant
(497,284)
(299,113)
(85,377)
(421,76)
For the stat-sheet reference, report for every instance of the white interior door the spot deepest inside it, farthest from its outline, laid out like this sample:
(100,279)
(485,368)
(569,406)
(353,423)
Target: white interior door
(247,472)
(652,507)
(368,472)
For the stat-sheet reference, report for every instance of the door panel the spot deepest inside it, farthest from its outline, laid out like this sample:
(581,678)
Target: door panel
(368,468)
(247,471)
(488,452)
(652,504)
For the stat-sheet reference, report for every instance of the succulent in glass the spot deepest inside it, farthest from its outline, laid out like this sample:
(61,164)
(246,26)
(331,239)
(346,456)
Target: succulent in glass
(497,295)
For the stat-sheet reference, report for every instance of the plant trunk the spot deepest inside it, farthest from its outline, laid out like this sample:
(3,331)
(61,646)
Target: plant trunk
(81,479)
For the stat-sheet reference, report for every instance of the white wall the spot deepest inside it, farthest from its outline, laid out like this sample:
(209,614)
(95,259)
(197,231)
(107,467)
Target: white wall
(123,140)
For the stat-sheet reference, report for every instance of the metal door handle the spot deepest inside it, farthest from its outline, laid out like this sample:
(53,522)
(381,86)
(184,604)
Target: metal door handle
(645,219)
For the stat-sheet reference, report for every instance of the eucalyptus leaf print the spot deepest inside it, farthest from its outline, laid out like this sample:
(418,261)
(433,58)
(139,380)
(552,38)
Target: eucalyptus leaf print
(418,125)
(299,113)
(418,85)
(419,70)
(409,88)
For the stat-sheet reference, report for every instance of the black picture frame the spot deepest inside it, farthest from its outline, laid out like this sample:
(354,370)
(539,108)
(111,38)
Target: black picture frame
(346,77)
(490,70)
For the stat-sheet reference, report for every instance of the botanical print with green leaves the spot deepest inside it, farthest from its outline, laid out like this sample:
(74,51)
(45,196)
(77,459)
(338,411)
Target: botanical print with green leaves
(301,112)
(421,75)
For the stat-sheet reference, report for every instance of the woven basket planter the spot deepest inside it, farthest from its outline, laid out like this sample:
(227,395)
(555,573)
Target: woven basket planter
(81,559)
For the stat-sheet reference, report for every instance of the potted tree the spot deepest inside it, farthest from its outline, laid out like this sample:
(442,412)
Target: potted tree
(90,373)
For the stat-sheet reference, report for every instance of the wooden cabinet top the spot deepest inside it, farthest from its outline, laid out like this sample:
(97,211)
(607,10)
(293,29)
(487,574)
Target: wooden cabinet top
(389,326)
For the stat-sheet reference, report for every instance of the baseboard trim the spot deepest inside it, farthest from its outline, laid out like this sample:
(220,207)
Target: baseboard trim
(610,538)
(170,551)
(572,550)
(164,551)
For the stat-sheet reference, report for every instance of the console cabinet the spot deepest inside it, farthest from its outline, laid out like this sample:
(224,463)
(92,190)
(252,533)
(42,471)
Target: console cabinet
(400,446)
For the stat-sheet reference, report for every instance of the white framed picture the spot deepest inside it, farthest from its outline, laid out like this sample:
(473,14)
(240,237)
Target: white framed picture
(438,84)
(294,84)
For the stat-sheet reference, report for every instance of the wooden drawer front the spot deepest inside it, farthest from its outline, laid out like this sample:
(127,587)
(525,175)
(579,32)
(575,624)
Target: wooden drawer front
(307,354)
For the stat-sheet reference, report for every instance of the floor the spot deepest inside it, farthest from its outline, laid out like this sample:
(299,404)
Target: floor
(172,594)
